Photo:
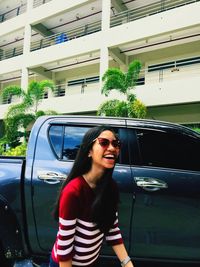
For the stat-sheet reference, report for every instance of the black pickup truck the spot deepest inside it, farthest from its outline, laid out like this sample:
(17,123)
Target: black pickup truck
(158,175)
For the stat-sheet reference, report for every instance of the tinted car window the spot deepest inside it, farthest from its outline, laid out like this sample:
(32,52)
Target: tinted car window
(65,141)
(169,150)
(56,137)
(72,139)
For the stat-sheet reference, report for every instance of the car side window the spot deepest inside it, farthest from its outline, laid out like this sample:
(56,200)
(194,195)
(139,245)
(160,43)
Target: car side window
(72,139)
(168,150)
(56,139)
(65,141)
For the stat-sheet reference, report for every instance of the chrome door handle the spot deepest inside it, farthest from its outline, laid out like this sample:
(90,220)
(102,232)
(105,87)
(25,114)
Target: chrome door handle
(51,177)
(150,184)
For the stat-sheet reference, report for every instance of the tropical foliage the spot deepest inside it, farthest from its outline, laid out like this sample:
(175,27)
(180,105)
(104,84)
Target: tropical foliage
(115,108)
(16,151)
(196,129)
(115,79)
(21,115)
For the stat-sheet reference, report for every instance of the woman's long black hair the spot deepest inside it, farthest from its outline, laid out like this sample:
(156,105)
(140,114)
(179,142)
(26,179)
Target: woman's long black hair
(106,194)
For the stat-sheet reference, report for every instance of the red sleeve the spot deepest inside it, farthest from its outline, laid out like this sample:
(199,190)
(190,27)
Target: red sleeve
(68,211)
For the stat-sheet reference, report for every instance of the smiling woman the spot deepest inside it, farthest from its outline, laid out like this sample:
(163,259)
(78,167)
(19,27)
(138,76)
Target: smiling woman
(104,152)
(85,211)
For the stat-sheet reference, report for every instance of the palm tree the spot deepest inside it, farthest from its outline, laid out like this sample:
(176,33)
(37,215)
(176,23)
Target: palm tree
(19,116)
(115,79)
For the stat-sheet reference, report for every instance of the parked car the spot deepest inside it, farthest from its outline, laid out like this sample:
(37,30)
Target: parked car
(158,175)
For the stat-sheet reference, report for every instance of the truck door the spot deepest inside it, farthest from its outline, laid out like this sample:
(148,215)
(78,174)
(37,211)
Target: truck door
(166,177)
(122,175)
(55,151)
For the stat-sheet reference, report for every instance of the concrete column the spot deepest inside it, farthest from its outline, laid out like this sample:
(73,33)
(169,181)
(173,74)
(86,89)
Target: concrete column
(24,78)
(26,50)
(104,63)
(27,39)
(26,47)
(29,5)
(105,25)
(105,20)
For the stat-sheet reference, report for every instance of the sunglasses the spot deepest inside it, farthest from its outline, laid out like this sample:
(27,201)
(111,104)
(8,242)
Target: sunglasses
(104,142)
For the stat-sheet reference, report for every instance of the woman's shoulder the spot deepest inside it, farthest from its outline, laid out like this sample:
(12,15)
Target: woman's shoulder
(74,186)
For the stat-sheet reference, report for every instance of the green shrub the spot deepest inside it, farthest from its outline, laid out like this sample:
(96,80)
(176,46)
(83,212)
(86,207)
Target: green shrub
(117,108)
(108,108)
(17,151)
(196,129)
(1,149)
(137,109)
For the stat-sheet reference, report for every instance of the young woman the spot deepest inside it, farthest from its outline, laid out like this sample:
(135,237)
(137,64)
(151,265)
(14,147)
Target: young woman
(87,204)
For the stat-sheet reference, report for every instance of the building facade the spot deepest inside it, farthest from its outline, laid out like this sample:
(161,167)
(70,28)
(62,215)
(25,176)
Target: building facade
(74,42)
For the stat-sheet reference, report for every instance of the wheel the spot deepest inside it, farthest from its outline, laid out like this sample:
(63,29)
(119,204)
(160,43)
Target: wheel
(3,261)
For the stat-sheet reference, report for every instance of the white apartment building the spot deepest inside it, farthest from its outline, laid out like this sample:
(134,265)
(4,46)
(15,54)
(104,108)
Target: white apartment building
(73,42)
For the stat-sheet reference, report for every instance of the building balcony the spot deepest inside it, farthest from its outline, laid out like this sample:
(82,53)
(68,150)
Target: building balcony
(13,12)
(171,23)
(170,92)
(17,9)
(84,95)
(37,3)
(147,10)
(66,36)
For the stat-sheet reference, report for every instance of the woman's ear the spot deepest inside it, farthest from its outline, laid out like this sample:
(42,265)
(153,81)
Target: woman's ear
(90,153)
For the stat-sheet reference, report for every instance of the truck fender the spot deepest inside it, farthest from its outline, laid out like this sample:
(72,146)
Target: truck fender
(10,232)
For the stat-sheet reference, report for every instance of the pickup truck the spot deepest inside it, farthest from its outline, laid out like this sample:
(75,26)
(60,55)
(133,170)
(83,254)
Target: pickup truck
(158,175)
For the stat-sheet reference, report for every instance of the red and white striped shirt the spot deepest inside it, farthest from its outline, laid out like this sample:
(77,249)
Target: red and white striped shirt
(78,237)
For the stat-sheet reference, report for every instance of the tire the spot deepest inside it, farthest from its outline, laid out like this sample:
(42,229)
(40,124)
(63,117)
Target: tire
(3,261)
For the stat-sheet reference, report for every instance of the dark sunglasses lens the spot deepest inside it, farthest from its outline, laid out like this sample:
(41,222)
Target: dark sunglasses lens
(104,142)
(116,143)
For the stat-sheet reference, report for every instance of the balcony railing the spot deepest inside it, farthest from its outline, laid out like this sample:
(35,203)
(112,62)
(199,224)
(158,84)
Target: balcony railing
(13,13)
(173,70)
(80,86)
(37,3)
(163,72)
(174,65)
(87,29)
(5,100)
(60,90)
(74,87)
(9,99)
(13,52)
(53,40)
(147,10)
(20,10)
(66,36)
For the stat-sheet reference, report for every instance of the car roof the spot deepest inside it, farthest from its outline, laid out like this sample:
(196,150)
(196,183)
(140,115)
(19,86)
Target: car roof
(122,121)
